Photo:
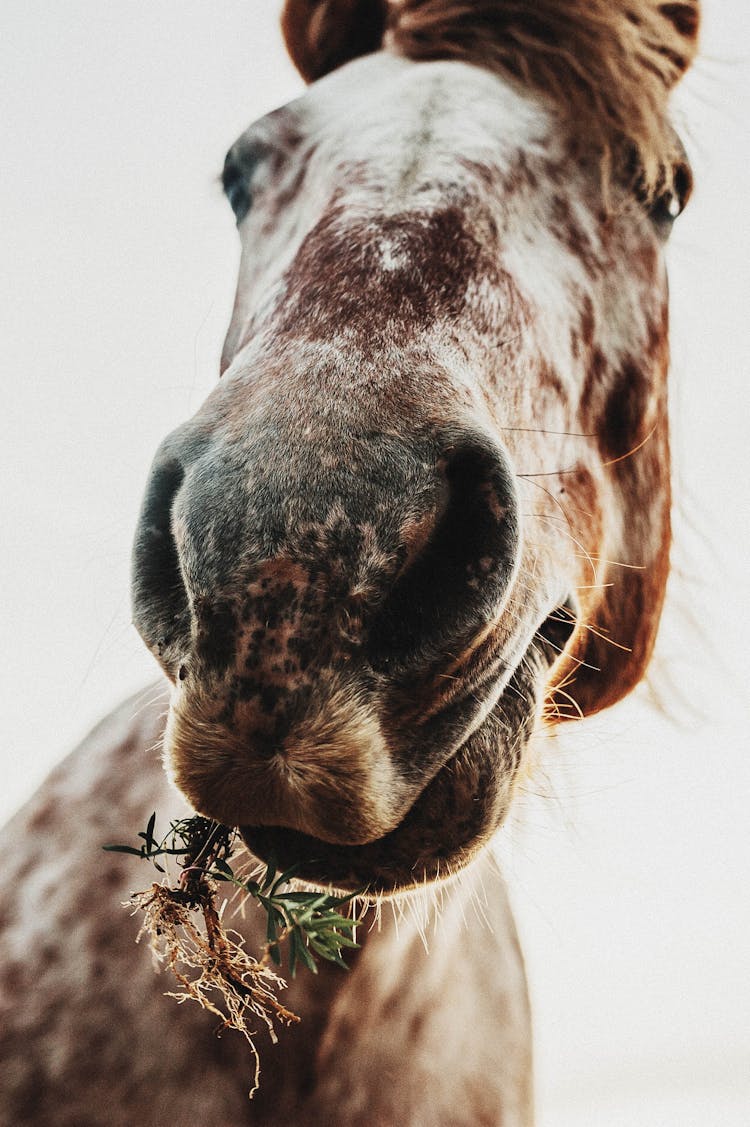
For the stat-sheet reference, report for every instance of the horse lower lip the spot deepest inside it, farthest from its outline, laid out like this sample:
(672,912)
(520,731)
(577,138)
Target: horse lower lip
(417,847)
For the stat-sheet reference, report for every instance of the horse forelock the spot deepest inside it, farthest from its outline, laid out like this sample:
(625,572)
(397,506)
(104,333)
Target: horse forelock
(607,65)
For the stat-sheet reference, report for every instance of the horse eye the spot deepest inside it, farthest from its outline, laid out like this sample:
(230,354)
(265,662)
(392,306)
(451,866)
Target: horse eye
(234,182)
(671,204)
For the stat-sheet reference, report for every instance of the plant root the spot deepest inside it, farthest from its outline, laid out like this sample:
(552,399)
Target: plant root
(210,963)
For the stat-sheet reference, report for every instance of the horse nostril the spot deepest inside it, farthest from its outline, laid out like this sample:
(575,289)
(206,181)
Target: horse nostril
(458,582)
(558,628)
(158,593)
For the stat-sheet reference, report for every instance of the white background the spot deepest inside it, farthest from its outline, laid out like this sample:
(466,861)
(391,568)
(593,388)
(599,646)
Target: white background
(630,864)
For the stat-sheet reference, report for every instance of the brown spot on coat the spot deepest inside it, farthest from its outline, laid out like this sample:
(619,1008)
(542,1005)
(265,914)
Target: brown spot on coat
(339,279)
(593,390)
(621,427)
(568,231)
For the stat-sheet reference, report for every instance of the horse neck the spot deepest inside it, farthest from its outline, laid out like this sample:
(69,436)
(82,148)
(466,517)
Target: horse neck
(434,972)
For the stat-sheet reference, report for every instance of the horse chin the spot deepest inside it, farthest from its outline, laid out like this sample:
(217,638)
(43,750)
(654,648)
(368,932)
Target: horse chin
(453,818)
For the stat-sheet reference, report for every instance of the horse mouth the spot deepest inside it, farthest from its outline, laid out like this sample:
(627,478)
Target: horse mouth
(451,819)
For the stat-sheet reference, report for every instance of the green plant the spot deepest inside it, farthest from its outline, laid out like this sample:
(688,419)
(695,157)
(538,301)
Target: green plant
(210,962)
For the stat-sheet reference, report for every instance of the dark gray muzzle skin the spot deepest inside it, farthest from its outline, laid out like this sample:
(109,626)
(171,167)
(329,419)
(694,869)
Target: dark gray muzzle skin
(427,526)
(267,570)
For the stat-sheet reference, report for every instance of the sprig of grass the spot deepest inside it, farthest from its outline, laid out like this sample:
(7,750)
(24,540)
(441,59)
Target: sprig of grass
(210,963)
(312,921)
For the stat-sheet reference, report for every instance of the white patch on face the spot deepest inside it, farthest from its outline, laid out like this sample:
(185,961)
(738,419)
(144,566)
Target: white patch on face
(426,111)
(433,120)
(392,256)
(398,160)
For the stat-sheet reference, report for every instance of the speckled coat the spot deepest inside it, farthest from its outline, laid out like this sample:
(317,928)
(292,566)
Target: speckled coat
(424,513)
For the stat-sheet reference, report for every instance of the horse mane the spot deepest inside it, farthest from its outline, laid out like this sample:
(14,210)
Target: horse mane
(607,65)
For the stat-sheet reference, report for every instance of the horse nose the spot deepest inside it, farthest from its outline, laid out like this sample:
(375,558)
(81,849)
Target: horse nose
(459,563)
(250,586)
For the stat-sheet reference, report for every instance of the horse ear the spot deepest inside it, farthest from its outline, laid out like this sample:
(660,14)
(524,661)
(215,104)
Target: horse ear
(681,44)
(321,35)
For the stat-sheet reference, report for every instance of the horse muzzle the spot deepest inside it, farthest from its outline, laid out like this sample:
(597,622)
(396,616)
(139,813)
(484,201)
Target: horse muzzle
(289,622)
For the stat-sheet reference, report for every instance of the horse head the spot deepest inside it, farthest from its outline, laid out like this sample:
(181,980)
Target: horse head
(426,508)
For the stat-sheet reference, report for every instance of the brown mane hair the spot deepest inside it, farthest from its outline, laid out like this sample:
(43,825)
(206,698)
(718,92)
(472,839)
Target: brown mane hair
(608,65)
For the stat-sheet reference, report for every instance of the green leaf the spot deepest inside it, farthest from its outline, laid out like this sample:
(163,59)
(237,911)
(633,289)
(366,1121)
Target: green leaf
(123,849)
(302,897)
(326,952)
(306,957)
(285,878)
(345,941)
(333,920)
(271,933)
(270,873)
(224,869)
(276,923)
(148,836)
(293,956)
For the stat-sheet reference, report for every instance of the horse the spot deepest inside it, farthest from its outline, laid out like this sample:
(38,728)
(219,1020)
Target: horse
(423,518)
